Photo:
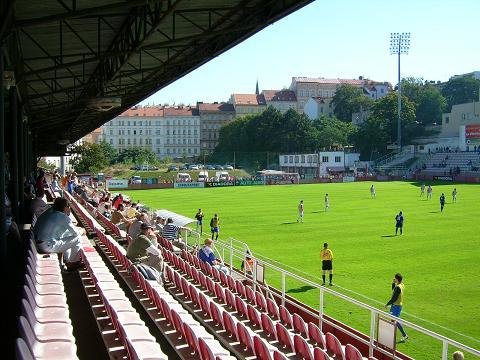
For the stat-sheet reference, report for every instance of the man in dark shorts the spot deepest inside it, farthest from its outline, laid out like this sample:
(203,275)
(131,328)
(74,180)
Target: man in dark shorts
(442,202)
(399,223)
(327,257)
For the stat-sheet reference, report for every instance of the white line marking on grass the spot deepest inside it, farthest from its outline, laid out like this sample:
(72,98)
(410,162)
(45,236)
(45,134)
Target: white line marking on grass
(317,279)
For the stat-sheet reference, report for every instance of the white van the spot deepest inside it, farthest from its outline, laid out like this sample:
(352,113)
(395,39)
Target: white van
(136,179)
(203,176)
(223,176)
(183,177)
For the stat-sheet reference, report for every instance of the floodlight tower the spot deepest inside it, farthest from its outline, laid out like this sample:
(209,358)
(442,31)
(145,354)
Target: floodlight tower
(399,44)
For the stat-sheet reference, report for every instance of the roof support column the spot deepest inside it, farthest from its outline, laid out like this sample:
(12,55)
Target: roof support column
(3,235)
(21,156)
(14,160)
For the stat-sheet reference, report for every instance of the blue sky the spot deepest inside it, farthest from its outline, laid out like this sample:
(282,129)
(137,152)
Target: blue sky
(340,39)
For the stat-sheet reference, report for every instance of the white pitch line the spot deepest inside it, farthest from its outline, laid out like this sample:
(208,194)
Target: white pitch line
(378,302)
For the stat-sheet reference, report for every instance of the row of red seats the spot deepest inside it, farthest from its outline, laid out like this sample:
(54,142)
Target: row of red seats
(45,327)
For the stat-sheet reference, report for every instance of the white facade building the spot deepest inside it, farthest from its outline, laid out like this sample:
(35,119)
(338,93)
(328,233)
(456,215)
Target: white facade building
(318,164)
(168,132)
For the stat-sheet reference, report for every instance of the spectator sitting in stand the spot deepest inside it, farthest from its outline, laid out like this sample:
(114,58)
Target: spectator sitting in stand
(171,233)
(119,219)
(55,233)
(38,205)
(206,255)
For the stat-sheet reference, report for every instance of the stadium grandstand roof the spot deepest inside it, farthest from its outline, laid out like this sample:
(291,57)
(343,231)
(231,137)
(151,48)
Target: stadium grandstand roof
(78,64)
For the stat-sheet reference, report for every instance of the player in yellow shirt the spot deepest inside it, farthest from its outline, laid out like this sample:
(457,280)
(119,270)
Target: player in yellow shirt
(327,258)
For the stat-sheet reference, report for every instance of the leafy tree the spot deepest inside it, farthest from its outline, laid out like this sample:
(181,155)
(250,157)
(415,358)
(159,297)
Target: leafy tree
(332,132)
(109,151)
(460,90)
(137,155)
(349,99)
(88,158)
(42,163)
(386,110)
(372,137)
(428,100)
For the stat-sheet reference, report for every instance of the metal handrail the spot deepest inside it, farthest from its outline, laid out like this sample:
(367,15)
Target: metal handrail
(375,313)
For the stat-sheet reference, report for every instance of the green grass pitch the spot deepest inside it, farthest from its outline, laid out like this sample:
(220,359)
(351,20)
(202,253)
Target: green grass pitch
(438,254)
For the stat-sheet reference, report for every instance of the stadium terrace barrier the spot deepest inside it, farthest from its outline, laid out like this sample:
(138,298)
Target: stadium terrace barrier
(233,252)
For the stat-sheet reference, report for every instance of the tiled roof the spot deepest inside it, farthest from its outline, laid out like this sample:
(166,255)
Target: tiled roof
(329,81)
(216,107)
(152,111)
(181,111)
(249,99)
(279,95)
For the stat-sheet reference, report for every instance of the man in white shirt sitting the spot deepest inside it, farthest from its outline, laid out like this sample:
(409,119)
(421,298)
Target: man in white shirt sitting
(55,233)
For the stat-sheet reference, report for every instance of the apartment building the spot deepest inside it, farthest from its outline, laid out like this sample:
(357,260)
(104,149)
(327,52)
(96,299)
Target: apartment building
(167,131)
(282,100)
(248,104)
(212,118)
(306,88)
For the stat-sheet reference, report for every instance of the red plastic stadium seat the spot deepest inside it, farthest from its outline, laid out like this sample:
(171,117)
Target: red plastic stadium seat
(272,308)
(334,347)
(285,316)
(244,337)
(301,348)
(260,349)
(299,325)
(268,327)
(316,336)
(319,354)
(352,353)
(284,337)
(229,325)
(277,355)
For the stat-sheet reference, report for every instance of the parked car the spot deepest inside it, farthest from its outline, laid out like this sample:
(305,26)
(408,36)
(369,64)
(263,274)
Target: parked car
(172,168)
(218,167)
(193,167)
(210,167)
(227,167)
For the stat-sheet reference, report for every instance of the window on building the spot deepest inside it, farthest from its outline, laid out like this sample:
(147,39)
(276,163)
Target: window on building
(196,151)
(285,159)
(149,123)
(173,132)
(134,123)
(189,150)
(128,123)
(296,159)
(128,141)
(189,132)
(184,132)
(111,132)
(447,119)
(134,132)
(139,123)
(314,158)
(303,159)
(111,141)
(324,159)
(184,141)
(309,159)
(128,132)
(290,159)
(338,159)
(157,132)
